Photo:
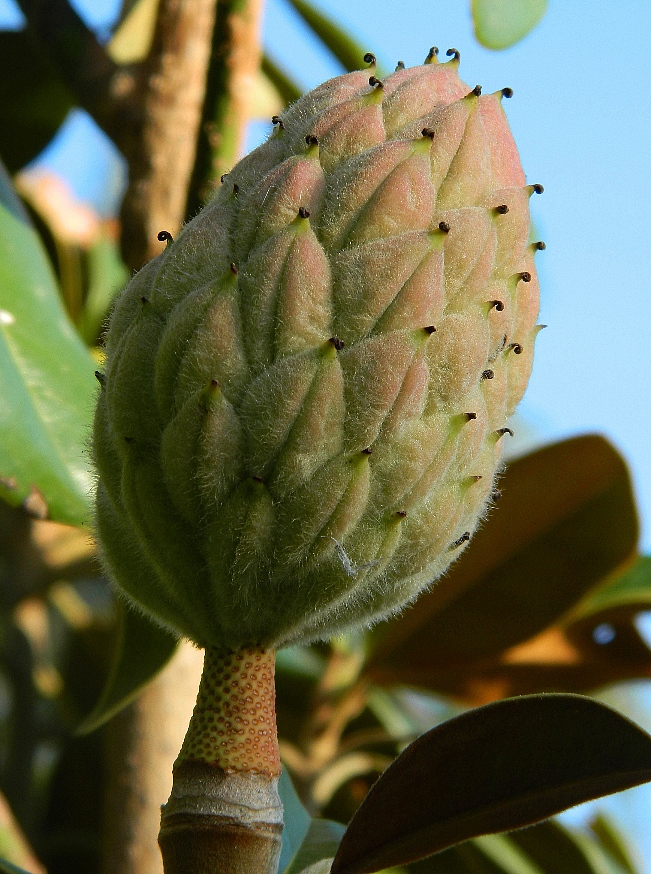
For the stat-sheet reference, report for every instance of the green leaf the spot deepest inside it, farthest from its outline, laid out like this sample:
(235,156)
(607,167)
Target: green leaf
(48,386)
(106,276)
(630,589)
(506,855)
(142,650)
(320,843)
(566,521)
(133,36)
(612,841)
(563,851)
(33,99)
(347,50)
(501,23)
(297,821)
(282,82)
(496,768)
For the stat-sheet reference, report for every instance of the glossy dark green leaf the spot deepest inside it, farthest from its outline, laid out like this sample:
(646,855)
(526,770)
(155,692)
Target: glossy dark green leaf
(48,386)
(33,99)
(347,50)
(321,842)
(142,650)
(297,821)
(565,522)
(502,23)
(496,768)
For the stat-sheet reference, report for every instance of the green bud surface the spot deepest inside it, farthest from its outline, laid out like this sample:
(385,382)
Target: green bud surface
(306,393)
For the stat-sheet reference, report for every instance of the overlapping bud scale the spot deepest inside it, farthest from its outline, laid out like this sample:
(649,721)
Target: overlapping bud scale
(306,393)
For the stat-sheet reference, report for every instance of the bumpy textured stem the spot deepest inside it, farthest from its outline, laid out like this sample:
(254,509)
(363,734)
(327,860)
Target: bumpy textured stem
(224,813)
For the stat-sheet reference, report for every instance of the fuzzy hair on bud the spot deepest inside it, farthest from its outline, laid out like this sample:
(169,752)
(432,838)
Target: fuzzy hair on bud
(283,437)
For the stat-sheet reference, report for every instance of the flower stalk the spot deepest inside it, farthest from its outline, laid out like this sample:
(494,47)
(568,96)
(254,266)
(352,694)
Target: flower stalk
(224,813)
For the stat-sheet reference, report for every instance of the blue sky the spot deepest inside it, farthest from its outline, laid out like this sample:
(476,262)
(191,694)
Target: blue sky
(581,116)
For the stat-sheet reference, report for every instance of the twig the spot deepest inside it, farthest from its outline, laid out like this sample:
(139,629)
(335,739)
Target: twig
(161,143)
(235,57)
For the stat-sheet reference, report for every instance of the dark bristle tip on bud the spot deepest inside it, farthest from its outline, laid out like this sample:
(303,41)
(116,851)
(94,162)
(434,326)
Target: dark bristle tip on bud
(337,343)
(400,66)
(502,431)
(129,440)
(276,119)
(164,237)
(401,513)
(144,300)
(430,329)
(433,52)
(369,58)
(476,477)
(488,374)
(214,383)
(100,377)
(540,246)
(445,227)
(516,347)
(525,276)
(496,304)
(223,178)
(428,133)
(367,451)
(455,54)
(476,90)
(311,140)
(502,209)
(537,188)
(236,189)
(257,479)
(234,270)
(375,82)
(465,537)
(495,495)
(470,416)
(507,92)
(303,212)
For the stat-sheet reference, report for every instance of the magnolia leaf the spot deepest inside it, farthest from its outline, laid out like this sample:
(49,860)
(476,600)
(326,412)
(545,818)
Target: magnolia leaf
(319,846)
(347,50)
(563,851)
(631,589)
(288,90)
(34,99)
(48,389)
(501,23)
(610,838)
(133,36)
(143,649)
(496,768)
(297,821)
(565,523)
